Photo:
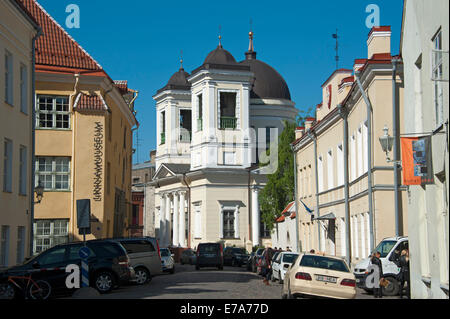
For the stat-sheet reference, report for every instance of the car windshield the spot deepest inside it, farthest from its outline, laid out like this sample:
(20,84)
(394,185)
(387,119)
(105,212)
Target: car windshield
(239,251)
(323,263)
(165,253)
(385,247)
(208,248)
(289,258)
(260,251)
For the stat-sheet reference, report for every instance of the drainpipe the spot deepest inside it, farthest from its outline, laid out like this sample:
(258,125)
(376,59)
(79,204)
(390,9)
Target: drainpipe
(297,235)
(189,211)
(33,135)
(317,211)
(74,131)
(344,115)
(369,157)
(398,226)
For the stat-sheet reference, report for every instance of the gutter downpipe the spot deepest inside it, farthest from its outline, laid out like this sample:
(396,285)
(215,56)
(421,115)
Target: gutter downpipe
(189,211)
(344,115)
(369,157)
(72,100)
(297,234)
(33,135)
(313,136)
(398,232)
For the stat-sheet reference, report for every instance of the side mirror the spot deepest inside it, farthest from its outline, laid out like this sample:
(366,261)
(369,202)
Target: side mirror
(286,266)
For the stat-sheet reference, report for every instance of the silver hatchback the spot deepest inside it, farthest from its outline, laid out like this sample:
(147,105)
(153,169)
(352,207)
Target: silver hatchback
(144,257)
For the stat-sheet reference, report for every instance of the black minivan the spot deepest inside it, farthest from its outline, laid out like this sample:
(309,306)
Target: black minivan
(209,255)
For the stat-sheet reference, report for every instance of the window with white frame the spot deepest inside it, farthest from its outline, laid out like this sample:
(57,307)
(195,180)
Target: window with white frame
(438,71)
(198,221)
(49,233)
(52,112)
(7,165)
(365,148)
(4,245)
(353,156)
(228,223)
(360,152)
(340,165)
(53,173)
(20,256)
(23,169)
(199,112)
(9,80)
(23,89)
(330,170)
(320,173)
(343,237)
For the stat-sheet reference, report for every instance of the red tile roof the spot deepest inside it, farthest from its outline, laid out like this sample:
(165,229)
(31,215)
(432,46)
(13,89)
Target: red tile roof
(56,47)
(122,86)
(86,102)
(386,28)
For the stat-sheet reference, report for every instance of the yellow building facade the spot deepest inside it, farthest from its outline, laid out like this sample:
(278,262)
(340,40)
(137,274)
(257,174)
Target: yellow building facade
(17,33)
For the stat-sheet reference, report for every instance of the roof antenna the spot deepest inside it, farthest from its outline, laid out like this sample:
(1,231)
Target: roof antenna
(336,36)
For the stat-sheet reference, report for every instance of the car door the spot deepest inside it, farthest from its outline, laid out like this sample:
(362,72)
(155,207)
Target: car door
(276,266)
(51,265)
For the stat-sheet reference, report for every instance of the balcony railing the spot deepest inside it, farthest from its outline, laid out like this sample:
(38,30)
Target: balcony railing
(200,124)
(228,123)
(163,138)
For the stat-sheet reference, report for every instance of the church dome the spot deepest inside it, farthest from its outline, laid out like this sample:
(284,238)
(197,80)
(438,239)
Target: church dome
(267,82)
(220,56)
(178,81)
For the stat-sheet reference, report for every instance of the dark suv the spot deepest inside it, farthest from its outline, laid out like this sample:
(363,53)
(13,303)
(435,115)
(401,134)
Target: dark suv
(209,255)
(108,266)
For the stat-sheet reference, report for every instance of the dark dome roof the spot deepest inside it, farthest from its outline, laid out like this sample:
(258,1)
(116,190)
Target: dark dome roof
(178,81)
(220,56)
(268,83)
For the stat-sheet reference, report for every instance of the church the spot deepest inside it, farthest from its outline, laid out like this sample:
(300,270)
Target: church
(214,126)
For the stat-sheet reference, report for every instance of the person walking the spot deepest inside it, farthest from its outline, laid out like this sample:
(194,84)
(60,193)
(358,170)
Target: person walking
(376,261)
(267,265)
(403,264)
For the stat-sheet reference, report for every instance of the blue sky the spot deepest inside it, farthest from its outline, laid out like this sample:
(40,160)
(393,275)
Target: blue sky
(140,41)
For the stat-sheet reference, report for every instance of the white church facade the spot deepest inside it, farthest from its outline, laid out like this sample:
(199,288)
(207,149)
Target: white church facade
(213,128)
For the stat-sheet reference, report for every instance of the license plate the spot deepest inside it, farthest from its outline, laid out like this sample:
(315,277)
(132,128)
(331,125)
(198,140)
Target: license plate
(332,280)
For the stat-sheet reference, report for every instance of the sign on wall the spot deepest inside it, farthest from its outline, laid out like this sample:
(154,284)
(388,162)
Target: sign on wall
(417,160)
(98,161)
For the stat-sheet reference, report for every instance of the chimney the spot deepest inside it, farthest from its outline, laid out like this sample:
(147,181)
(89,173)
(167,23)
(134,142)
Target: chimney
(299,132)
(379,41)
(309,123)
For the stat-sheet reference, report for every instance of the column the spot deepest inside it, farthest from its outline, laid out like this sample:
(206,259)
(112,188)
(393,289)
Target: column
(162,220)
(236,222)
(182,219)
(175,226)
(167,222)
(256,217)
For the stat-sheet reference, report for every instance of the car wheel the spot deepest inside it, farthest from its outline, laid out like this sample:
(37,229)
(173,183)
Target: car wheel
(7,292)
(393,289)
(104,282)
(142,276)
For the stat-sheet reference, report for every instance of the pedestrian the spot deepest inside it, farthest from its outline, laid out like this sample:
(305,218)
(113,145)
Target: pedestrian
(376,261)
(288,249)
(403,264)
(312,251)
(267,261)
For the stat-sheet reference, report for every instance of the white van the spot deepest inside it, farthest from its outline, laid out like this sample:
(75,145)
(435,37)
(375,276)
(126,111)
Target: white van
(388,248)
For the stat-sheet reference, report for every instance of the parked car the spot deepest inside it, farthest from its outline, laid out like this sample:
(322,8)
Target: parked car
(255,259)
(319,276)
(109,266)
(168,264)
(144,256)
(281,263)
(209,255)
(188,256)
(235,257)
(389,248)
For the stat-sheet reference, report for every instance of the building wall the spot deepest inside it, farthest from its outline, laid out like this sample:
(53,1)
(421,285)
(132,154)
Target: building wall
(427,205)
(16,34)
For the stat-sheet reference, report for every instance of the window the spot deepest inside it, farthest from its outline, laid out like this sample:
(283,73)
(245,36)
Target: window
(23,89)
(53,256)
(4,245)
(340,165)
(162,140)
(53,173)
(270,136)
(330,172)
(7,166)
(185,125)
(200,112)
(138,246)
(52,112)
(228,118)
(343,237)
(49,233)
(125,137)
(264,231)
(23,171)
(438,70)
(353,156)
(20,256)
(360,152)
(9,85)
(228,224)
(320,172)
(198,221)
(365,148)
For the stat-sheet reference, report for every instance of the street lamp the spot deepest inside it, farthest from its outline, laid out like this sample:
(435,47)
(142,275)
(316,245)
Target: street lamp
(387,143)
(39,190)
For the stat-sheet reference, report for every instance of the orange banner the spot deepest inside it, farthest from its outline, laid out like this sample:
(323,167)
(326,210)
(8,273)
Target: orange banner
(417,161)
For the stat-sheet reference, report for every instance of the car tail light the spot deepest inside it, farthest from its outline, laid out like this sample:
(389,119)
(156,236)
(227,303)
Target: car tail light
(303,276)
(124,261)
(159,251)
(348,283)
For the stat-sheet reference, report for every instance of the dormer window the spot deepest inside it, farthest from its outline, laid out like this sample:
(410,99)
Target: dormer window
(228,119)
